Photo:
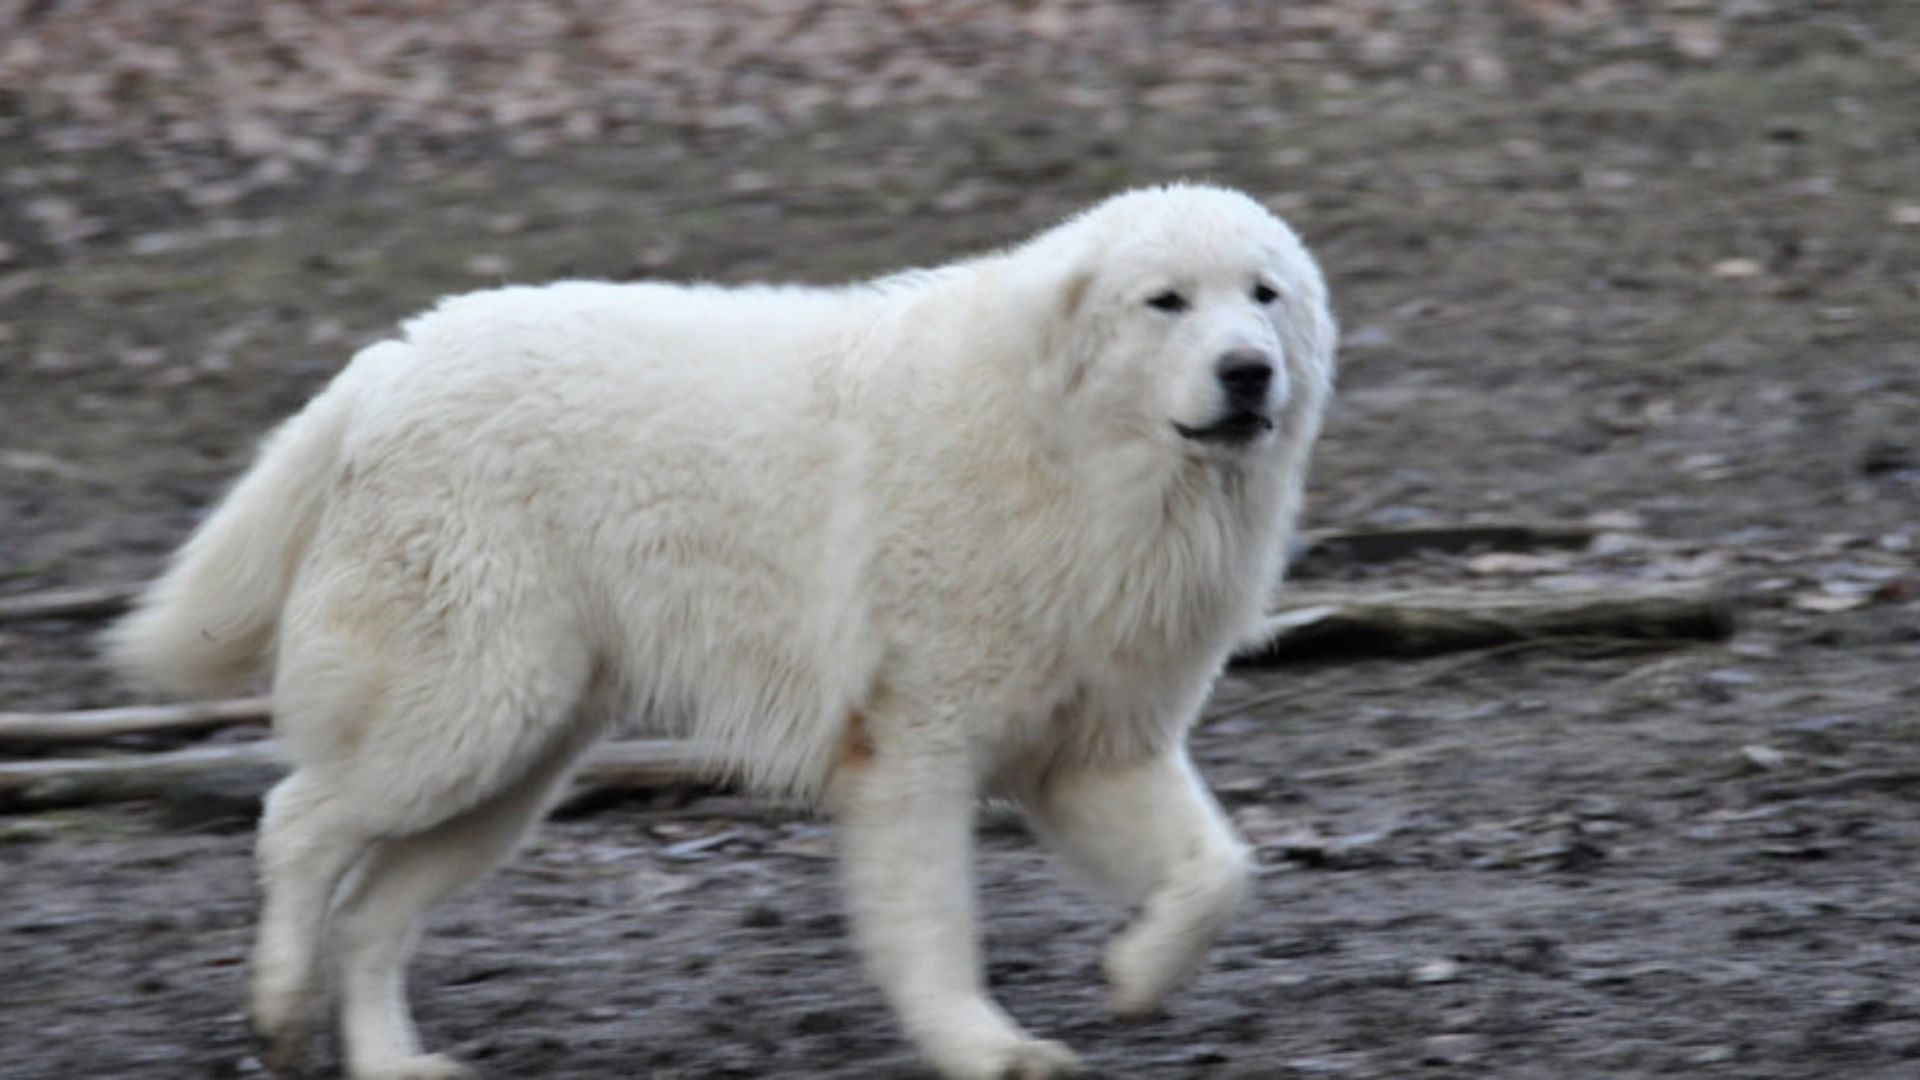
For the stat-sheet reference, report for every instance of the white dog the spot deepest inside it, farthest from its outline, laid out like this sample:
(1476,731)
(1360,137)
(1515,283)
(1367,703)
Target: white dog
(989,529)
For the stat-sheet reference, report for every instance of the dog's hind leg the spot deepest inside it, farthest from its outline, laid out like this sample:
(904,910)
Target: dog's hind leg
(377,916)
(1152,835)
(309,839)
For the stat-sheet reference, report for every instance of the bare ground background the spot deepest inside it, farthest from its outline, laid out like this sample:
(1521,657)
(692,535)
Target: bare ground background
(1653,266)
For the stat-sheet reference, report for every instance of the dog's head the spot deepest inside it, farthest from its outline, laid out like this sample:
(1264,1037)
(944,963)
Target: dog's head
(1188,315)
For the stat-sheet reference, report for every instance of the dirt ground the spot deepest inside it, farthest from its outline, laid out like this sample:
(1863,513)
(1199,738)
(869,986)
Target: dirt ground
(1664,281)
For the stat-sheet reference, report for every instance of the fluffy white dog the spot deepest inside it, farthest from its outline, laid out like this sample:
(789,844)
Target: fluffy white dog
(988,529)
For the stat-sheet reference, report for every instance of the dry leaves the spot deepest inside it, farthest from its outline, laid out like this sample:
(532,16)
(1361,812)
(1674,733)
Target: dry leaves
(287,90)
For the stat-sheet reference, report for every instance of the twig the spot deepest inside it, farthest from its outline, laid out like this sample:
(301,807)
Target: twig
(243,772)
(237,776)
(1438,670)
(1319,624)
(86,602)
(39,729)
(1385,545)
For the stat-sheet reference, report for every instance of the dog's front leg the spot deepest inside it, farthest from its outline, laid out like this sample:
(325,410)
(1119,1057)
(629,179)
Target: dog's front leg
(1152,835)
(906,822)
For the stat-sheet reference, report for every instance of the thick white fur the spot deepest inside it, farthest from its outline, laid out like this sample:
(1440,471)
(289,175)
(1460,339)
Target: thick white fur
(889,547)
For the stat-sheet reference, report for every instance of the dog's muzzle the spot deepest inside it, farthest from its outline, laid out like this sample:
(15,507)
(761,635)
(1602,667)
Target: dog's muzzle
(1246,378)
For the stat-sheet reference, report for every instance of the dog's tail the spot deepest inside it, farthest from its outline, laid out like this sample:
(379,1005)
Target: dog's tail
(208,624)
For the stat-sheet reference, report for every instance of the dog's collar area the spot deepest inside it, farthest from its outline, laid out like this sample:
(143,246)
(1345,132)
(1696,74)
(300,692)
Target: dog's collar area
(1235,429)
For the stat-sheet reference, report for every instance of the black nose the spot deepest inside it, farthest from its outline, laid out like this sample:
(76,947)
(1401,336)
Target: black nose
(1246,375)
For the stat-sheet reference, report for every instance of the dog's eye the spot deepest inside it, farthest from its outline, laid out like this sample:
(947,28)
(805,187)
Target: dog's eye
(1264,293)
(1169,301)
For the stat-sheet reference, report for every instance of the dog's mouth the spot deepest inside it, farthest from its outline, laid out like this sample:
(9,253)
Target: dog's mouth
(1233,429)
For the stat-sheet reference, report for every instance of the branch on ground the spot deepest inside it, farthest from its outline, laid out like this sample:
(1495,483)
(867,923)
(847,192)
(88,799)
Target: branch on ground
(235,778)
(1423,622)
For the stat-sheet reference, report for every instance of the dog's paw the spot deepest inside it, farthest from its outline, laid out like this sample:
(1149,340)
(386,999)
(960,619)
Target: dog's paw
(1034,1059)
(1168,941)
(1142,968)
(417,1067)
(281,1042)
(285,1007)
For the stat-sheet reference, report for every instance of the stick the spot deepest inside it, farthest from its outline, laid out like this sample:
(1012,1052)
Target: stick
(1386,545)
(39,729)
(235,777)
(1320,624)
(248,769)
(87,602)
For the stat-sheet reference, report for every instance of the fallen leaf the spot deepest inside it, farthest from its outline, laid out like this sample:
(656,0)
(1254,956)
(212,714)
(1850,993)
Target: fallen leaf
(1829,603)
(1513,562)
(1897,591)
(1764,758)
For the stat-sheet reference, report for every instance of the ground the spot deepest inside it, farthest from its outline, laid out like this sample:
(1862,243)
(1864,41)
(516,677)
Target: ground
(1652,267)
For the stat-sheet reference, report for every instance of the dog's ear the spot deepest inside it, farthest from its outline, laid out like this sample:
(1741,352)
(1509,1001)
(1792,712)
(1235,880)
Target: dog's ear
(1068,347)
(1308,338)
(1050,283)
(1309,334)
(1049,293)
(1073,292)
(1064,345)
